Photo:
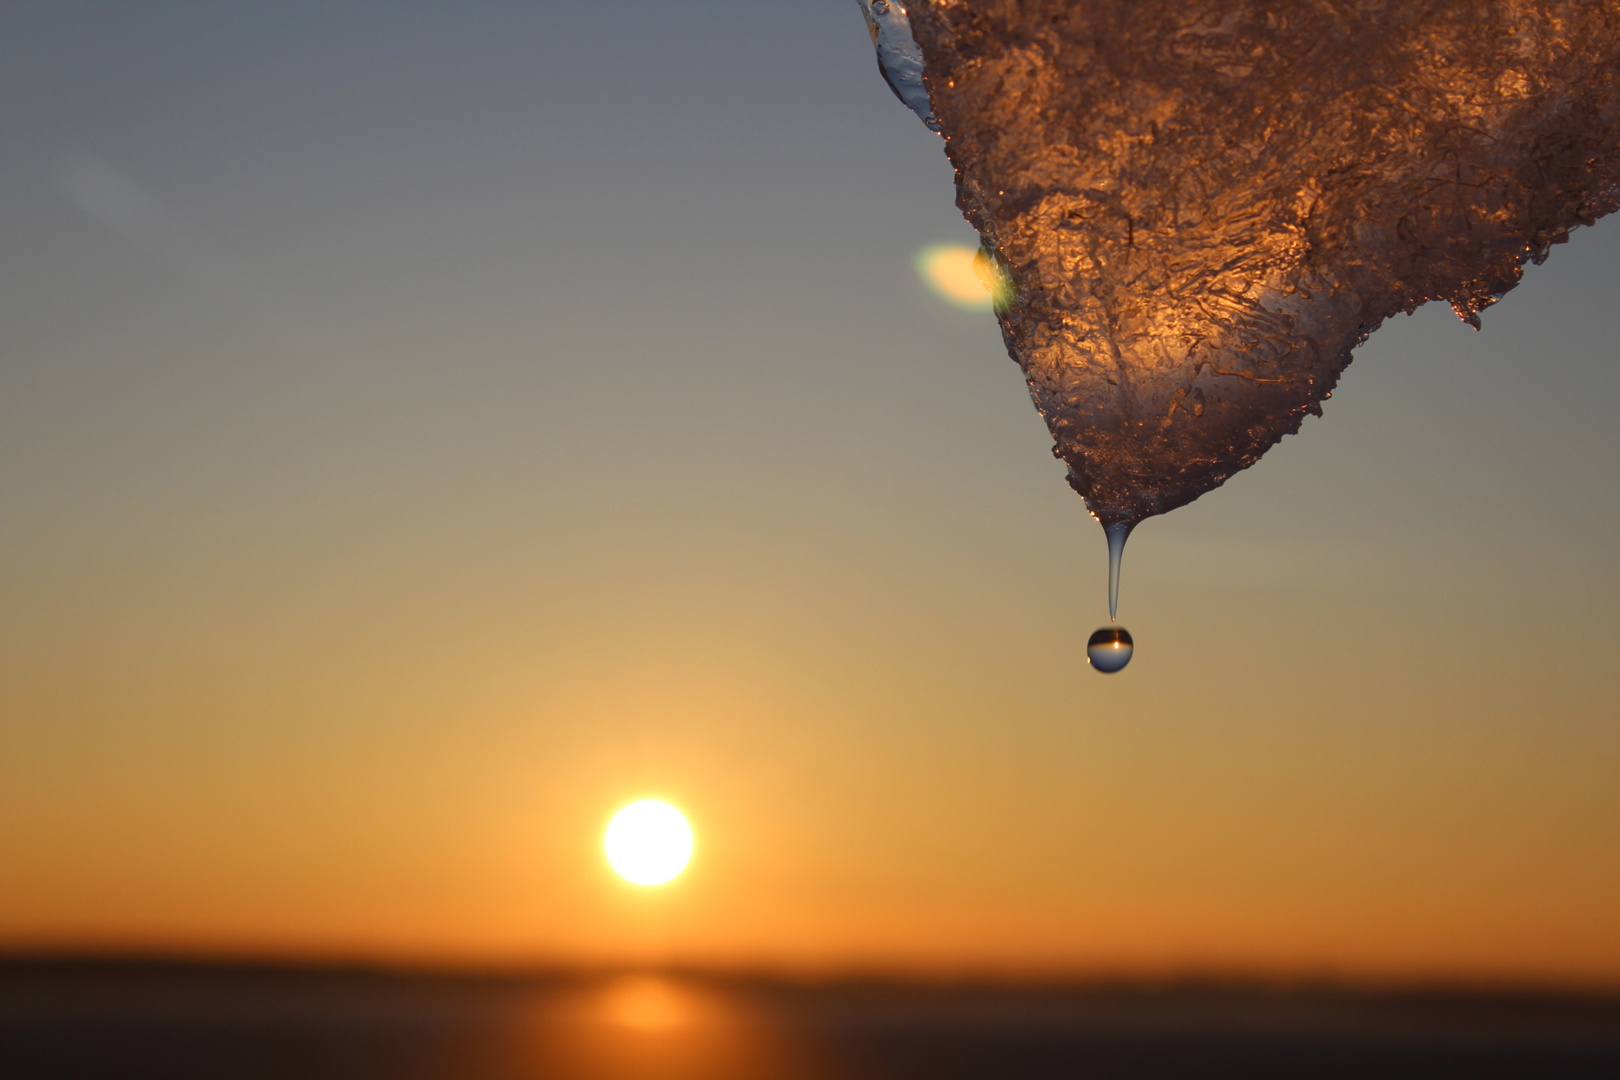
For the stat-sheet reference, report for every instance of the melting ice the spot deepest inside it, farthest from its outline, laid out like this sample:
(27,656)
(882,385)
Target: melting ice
(1203,206)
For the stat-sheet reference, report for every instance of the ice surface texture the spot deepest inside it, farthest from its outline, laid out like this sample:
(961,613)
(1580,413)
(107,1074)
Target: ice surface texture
(1204,205)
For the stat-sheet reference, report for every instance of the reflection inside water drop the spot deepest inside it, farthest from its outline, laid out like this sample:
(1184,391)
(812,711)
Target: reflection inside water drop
(1110,649)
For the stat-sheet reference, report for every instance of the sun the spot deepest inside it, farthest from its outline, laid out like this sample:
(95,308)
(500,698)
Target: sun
(648,842)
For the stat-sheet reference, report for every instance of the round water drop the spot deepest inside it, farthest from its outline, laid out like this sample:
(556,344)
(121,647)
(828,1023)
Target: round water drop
(1110,649)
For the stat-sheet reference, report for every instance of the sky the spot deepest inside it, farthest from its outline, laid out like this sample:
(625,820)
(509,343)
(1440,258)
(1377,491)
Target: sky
(426,428)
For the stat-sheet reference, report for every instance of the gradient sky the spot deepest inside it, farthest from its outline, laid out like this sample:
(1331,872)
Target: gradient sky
(425,428)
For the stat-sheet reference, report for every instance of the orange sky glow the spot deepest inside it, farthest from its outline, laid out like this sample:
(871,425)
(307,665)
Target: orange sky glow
(420,442)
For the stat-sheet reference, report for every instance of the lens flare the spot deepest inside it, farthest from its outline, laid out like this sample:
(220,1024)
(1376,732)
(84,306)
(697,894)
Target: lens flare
(648,842)
(962,275)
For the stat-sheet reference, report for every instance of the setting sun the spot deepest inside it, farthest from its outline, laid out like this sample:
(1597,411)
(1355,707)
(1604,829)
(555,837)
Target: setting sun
(648,842)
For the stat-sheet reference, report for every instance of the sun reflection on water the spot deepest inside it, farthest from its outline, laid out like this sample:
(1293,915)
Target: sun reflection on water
(650,1027)
(650,1003)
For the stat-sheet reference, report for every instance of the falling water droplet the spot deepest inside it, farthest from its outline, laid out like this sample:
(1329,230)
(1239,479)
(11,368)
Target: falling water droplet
(1110,649)
(1117,532)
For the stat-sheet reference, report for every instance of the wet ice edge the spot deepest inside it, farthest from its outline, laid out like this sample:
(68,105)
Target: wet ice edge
(898,56)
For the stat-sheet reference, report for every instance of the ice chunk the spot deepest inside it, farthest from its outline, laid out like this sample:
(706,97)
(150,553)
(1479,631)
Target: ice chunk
(1204,205)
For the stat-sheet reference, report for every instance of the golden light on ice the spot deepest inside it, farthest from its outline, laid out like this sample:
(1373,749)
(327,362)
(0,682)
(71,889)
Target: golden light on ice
(648,842)
(960,274)
(1207,206)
